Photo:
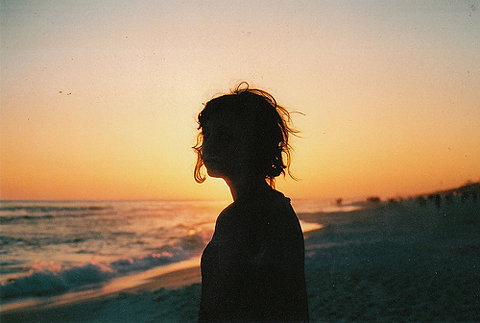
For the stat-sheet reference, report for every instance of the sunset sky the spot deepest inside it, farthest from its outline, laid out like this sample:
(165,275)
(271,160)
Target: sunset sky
(99,98)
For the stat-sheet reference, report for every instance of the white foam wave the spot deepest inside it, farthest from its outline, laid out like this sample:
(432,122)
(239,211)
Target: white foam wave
(54,279)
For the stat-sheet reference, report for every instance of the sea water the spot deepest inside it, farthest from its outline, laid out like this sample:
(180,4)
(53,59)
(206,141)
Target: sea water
(52,247)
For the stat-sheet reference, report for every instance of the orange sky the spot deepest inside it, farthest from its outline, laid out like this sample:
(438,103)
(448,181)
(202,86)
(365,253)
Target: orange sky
(390,92)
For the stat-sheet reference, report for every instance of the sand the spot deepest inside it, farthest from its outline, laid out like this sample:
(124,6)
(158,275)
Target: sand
(388,263)
(398,263)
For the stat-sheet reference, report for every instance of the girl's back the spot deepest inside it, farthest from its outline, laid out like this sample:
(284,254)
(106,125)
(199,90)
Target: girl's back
(253,267)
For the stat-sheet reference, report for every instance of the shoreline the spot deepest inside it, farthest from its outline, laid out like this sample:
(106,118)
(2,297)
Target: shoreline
(403,262)
(71,306)
(171,276)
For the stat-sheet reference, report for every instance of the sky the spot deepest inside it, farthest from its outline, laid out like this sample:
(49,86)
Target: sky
(99,98)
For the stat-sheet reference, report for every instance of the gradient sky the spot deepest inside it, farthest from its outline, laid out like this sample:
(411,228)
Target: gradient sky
(99,98)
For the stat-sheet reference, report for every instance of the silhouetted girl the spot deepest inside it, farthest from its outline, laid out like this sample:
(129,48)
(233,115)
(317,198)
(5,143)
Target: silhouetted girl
(253,268)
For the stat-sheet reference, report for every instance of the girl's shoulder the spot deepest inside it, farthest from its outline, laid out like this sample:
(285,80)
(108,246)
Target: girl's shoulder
(261,210)
(229,222)
(276,204)
(269,208)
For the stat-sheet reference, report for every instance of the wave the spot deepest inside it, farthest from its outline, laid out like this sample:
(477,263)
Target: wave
(5,240)
(42,282)
(40,209)
(9,219)
(48,282)
(40,241)
(12,219)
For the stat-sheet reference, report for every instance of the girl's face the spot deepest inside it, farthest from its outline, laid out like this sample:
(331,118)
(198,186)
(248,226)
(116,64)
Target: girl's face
(226,150)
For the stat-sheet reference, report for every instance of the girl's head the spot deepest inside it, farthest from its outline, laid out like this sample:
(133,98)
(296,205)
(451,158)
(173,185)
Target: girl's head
(245,133)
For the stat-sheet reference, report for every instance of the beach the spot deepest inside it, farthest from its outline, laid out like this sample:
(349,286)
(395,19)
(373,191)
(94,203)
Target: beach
(402,261)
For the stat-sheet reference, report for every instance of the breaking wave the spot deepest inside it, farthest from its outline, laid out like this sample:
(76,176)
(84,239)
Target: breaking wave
(48,281)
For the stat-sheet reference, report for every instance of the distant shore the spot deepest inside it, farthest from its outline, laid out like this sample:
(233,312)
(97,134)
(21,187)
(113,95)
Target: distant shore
(390,262)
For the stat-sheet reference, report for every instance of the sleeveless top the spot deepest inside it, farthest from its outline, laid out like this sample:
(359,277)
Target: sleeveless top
(253,267)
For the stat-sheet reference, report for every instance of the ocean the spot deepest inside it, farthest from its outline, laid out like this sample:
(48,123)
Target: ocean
(54,247)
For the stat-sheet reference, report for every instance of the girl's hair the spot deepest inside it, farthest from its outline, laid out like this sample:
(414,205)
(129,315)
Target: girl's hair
(272,127)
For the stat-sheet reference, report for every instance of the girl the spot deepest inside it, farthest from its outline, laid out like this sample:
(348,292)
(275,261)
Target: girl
(253,267)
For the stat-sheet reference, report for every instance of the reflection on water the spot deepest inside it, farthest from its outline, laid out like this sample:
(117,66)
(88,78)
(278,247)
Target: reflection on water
(55,247)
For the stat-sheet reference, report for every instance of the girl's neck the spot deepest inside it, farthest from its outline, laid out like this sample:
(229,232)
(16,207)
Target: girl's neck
(245,186)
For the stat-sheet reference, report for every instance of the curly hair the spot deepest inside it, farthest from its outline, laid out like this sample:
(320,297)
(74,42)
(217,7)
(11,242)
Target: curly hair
(273,122)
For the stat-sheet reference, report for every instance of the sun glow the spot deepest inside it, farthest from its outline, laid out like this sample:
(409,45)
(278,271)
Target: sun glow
(101,104)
